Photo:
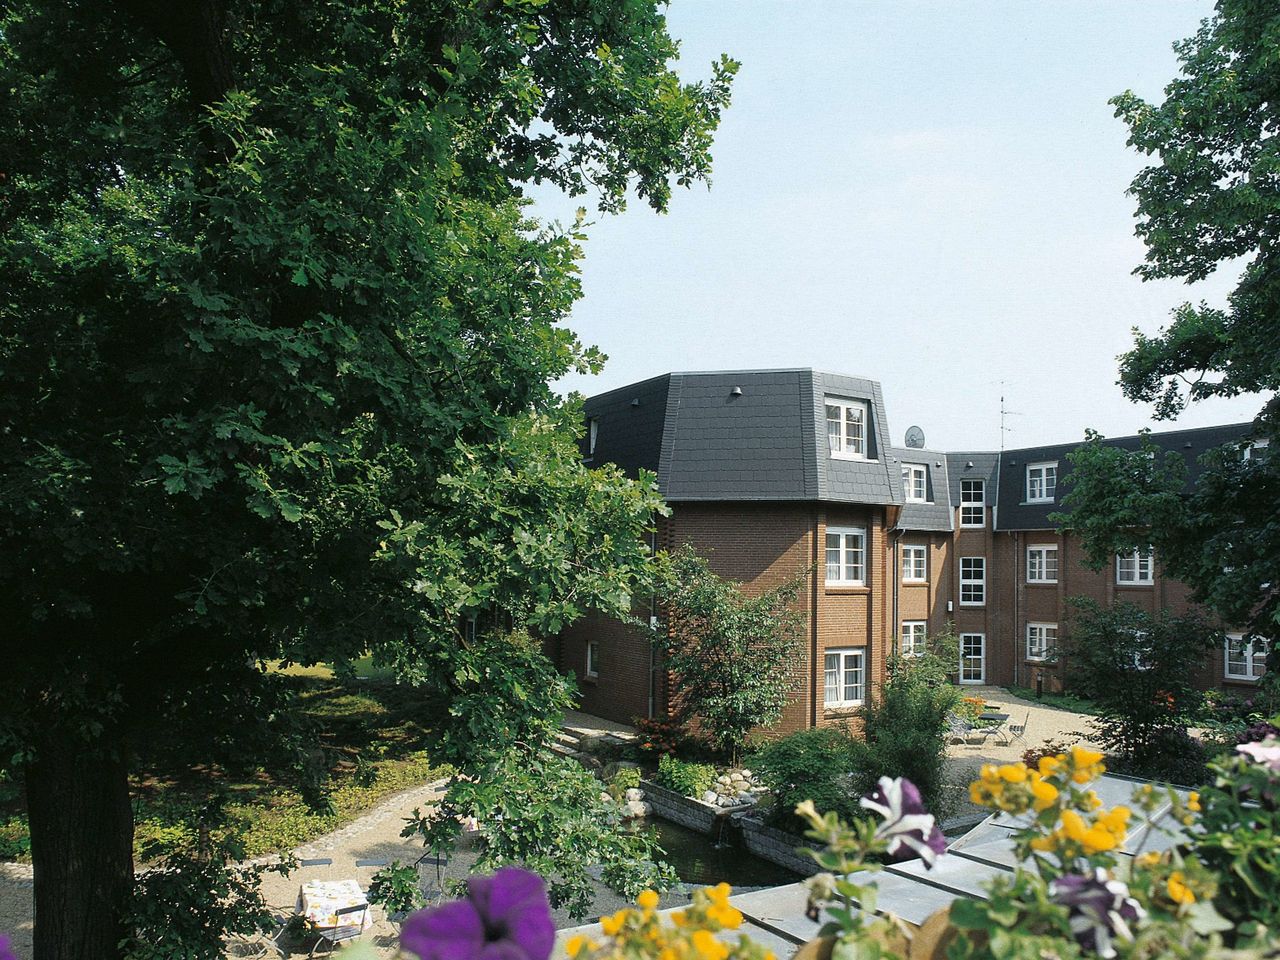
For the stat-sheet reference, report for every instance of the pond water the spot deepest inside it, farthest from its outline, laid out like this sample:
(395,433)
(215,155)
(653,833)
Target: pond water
(698,859)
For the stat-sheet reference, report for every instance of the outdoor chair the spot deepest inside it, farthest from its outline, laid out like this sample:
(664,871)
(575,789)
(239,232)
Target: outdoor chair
(351,924)
(1018,731)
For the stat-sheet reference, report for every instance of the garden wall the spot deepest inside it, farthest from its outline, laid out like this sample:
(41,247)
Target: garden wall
(683,810)
(777,846)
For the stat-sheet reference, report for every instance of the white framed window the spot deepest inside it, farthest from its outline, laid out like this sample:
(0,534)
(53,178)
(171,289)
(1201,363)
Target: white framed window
(845,678)
(1243,658)
(911,641)
(846,557)
(915,563)
(973,503)
(1142,652)
(1042,563)
(847,428)
(1135,567)
(593,431)
(1041,639)
(1042,481)
(973,581)
(470,627)
(973,658)
(593,658)
(1256,450)
(914,485)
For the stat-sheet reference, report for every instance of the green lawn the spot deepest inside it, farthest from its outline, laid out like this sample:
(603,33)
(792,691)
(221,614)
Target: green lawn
(1062,701)
(373,735)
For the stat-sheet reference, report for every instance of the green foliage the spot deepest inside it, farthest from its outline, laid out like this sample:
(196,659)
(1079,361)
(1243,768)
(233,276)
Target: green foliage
(816,764)
(545,812)
(904,726)
(627,778)
(657,736)
(397,887)
(937,665)
(731,654)
(1208,199)
(688,779)
(185,904)
(1061,701)
(15,839)
(1138,669)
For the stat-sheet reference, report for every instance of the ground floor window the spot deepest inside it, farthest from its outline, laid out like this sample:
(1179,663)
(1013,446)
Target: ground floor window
(1041,639)
(845,678)
(911,642)
(593,658)
(973,658)
(1245,659)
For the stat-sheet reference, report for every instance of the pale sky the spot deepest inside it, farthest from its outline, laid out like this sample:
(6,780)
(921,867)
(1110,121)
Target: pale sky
(927,194)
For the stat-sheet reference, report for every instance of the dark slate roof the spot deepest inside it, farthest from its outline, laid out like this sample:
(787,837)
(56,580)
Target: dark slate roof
(972,466)
(767,442)
(1015,513)
(936,515)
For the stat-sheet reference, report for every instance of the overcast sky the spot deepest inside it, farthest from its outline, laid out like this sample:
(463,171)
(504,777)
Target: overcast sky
(931,195)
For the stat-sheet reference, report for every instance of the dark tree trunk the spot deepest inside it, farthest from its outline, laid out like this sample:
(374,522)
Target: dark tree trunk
(81,846)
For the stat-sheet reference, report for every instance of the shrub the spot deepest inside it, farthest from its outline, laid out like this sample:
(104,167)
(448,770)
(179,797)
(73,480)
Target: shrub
(15,839)
(657,737)
(627,778)
(689,779)
(809,765)
(905,725)
(1050,748)
(396,887)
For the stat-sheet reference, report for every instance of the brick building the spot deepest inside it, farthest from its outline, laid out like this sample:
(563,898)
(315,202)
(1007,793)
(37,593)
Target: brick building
(770,472)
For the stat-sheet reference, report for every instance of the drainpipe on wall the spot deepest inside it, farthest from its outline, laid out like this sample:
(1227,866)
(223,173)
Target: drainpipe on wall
(1017,607)
(653,622)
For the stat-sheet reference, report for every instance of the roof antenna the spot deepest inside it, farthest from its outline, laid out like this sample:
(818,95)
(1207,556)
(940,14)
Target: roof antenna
(1005,413)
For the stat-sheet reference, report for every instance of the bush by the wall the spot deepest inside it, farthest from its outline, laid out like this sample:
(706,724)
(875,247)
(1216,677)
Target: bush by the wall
(689,779)
(809,765)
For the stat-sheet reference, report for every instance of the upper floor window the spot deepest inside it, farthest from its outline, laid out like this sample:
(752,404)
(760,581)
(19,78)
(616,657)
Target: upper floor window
(915,564)
(912,642)
(593,430)
(846,556)
(973,581)
(845,683)
(1042,482)
(1042,563)
(847,428)
(1041,639)
(913,482)
(1135,567)
(1256,449)
(1244,659)
(973,503)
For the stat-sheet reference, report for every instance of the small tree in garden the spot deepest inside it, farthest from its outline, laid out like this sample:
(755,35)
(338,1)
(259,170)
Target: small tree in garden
(1138,668)
(730,652)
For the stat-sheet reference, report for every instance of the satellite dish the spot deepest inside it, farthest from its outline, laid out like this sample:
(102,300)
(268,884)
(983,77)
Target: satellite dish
(915,438)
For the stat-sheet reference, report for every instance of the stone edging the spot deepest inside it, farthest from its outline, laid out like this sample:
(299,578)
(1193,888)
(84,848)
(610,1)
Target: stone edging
(686,811)
(777,846)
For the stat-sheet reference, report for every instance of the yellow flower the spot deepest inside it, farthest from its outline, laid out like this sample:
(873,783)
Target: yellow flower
(1193,802)
(1045,844)
(1049,765)
(647,900)
(680,918)
(1148,859)
(1081,757)
(1045,794)
(1013,772)
(576,945)
(707,946)
(726,916)
(1115,820)
(1092,800)
(1073,826)
(1178,890)
(1097,841)
(719,893)
(612,925)
(990,773)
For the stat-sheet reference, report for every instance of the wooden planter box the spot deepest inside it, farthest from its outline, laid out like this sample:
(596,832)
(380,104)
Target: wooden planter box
(686,811)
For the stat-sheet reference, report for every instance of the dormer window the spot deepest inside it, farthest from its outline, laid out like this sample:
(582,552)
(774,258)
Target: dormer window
(593,430)
(913,482)
(1042,482)
(847,429)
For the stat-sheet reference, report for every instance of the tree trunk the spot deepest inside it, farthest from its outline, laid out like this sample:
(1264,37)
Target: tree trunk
(81,847)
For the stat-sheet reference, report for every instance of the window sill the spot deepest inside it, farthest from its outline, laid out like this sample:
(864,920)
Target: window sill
(591,678)
(1229,678)
(914,583)
(972,606)
(842,709)
(1042,583)
(1138,585)
(853,457)
(1031,659)
(1037,503)
(846,591)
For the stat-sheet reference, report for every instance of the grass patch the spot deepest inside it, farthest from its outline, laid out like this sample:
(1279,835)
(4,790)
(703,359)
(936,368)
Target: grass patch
(1062,701)
(373,734)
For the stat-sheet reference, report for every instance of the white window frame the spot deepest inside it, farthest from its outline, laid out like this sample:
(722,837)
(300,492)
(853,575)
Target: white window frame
(1038,569)
(915,559)
(915,476)
(1142,655)
(1040,643)
(846,659)
(1253,656)
(470,628)
(980,504)
(979,582)
(913,638)
(841,445)
(1047,471)
(593,658)
(843,567)
(1256,449)
(593,433)
(981,658)
(1137,576)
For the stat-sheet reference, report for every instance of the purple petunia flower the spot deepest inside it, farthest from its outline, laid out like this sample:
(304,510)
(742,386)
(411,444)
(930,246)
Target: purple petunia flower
(504,917)
(1101,909)
(910,829)
(1265,752)
(6,952)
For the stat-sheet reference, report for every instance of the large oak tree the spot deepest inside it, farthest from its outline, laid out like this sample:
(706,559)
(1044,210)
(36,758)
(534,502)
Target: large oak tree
(276,334)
